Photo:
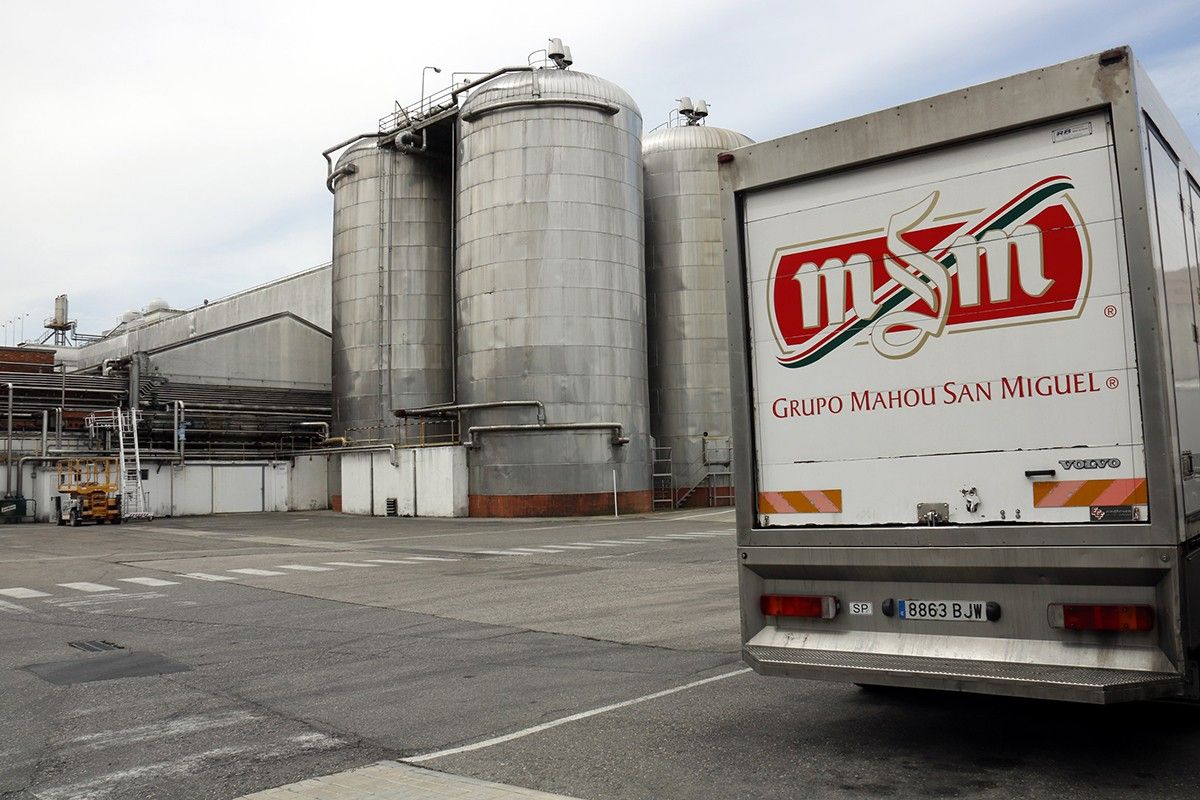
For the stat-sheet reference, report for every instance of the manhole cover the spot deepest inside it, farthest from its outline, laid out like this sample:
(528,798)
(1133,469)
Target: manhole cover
(95,646)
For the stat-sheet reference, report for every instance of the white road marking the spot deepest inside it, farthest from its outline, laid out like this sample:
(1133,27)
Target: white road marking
(13,607)
(84,586)
(349,564)
(538,549)
(253,571)
(305,567)
(103,786)
(161,730)
(624,541)
(204,576)
(680,536)
(105,599)
(21,593)
(427,558)
(389,561)
(149,581)
(572,547)
(656,539)
(501,553)
(600,544)
(508,737)
(706,514)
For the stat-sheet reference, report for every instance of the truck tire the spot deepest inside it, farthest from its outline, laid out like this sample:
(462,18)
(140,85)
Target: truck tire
(60,520)
(76,520)
(116,520)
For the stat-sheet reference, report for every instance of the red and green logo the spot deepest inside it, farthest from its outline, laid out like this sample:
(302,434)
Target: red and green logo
(1026,261)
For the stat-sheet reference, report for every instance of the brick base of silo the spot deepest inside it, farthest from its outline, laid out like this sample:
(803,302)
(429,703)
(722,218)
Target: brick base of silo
(558,505)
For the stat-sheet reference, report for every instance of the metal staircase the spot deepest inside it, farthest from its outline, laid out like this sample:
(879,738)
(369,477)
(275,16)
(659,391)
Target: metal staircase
(134,503)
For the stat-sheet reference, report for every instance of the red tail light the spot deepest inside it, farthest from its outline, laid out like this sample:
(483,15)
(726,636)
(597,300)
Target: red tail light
(1086,617)
(793,605)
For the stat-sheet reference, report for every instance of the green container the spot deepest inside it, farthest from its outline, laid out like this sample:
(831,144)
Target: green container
(12,509)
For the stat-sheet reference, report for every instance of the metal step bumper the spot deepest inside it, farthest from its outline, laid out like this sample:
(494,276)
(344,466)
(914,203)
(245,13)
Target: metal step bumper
(1050,682)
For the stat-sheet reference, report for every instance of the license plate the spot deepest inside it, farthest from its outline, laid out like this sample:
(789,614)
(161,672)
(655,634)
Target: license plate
(947,610)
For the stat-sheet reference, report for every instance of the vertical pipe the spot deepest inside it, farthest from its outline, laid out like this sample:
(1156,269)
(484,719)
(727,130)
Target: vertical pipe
(45,430)
(58,425)
(616,512)
(8,448)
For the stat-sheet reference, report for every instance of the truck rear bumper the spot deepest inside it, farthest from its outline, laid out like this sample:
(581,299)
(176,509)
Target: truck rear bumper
(1050,682)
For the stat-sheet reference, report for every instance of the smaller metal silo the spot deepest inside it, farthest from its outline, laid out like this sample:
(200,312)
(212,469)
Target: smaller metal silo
(391,287)
(685,309)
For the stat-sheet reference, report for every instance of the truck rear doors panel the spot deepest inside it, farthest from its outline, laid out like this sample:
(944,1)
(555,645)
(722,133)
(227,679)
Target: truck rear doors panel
(947,334)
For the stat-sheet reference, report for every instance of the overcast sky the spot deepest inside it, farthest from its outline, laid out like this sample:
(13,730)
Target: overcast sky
(173,149)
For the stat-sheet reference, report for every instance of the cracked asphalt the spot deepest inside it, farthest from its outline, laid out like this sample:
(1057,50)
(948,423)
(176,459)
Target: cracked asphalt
(259,650)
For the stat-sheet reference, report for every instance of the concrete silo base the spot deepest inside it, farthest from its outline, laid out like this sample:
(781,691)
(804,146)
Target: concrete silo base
(558,505)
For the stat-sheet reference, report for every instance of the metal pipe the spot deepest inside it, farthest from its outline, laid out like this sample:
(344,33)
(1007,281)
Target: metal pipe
(357,448)
(454,132)
(454,93)
(349,169)
(58,425)
(447,409)
(180,417)
(324,426)
(329,151)
(45,429)
(615,427)
(8,450)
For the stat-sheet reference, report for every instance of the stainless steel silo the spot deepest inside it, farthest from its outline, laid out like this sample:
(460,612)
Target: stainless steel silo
(391,288)
(551,294)
(685,280)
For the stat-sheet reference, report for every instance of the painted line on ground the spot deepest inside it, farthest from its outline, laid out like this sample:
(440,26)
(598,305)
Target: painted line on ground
(426,558)
(84,586)
(573,547)
(501,553)
(508,737)
(21,593)
(349,564)
(538,549)
(204,576)
(149,581)
(13,607)
(390,561)
(304,567)
(706,514)
(254,571)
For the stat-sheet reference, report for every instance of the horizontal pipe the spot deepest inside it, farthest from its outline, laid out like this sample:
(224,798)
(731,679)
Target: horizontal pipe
(615,427)
(447,409)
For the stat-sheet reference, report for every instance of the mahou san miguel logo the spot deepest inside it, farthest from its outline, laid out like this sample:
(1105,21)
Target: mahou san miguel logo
(1026,260)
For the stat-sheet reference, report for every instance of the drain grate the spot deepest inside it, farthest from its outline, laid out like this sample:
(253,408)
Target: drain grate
(95,646)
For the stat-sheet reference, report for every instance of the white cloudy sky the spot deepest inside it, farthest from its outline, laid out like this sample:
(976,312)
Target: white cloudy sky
(173,149)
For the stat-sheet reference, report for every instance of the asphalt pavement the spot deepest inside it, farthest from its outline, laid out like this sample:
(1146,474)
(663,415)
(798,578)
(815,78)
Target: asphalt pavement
(593,658)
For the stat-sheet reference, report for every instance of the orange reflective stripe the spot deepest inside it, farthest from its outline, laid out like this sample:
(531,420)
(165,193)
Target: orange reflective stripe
(1070,494)
(806,501)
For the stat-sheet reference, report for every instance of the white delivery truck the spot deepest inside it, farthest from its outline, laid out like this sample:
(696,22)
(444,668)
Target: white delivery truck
(967,391)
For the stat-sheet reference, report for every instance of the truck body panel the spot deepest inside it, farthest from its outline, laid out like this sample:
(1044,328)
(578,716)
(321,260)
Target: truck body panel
(965,374)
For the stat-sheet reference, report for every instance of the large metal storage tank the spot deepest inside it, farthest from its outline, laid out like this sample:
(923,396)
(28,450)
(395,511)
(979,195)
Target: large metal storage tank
(391,288)
(685,279)
(551,293)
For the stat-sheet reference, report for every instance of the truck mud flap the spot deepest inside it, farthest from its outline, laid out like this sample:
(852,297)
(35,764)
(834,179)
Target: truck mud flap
(1080,684)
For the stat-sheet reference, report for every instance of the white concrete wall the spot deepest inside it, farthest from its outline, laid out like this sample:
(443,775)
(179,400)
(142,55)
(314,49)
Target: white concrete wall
(209,488)
(426,482)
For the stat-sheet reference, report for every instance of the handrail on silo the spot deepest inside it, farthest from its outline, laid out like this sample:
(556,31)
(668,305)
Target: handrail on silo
(617,438)
(447,409)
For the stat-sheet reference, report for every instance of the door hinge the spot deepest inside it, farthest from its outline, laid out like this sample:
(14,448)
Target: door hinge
(1187,464)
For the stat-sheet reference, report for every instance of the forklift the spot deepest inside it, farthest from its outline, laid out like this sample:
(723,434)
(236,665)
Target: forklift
(88,491)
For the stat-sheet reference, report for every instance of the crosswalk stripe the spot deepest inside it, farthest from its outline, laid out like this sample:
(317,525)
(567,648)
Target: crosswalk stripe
(21,593)
(204,576)
(254,571)
(305,567)
(349,564)
(429,558)
(501,552)
(149,581)
(388,561)
(84,586)
(13,607)
(600,544)
(573,547)
(538,549)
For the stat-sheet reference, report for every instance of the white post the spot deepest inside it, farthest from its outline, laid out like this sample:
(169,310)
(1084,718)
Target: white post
(616,513)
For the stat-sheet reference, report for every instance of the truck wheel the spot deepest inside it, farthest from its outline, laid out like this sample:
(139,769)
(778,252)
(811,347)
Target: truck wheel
(76,520)
(60,520)
(116,520)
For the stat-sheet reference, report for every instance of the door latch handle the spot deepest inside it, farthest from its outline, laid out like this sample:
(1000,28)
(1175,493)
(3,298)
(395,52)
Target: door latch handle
(1039,473)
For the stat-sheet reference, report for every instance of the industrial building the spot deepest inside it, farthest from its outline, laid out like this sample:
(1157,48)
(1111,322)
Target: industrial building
(524,315)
